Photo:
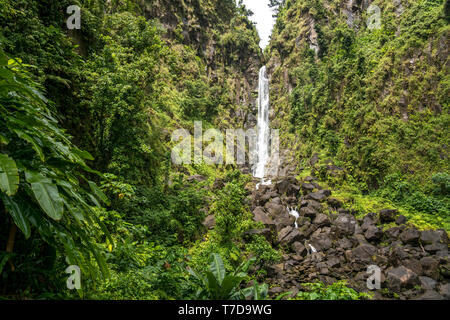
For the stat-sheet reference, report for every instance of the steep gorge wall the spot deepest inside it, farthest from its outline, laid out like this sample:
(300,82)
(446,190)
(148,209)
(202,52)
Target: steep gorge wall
(375,100)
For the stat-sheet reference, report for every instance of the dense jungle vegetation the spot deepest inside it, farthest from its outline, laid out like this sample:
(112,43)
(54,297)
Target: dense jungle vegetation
(86,176)
(372,101)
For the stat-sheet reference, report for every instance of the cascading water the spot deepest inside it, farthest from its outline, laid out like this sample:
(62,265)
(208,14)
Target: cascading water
(262,144)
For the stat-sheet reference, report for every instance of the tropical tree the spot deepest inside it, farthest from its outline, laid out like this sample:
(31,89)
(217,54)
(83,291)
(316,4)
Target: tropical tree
(44,184)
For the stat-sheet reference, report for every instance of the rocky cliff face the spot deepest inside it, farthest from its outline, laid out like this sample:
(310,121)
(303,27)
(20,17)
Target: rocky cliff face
(224,39)
(349,76)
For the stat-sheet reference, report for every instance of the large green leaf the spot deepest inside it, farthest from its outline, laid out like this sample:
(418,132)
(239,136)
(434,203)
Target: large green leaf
(98,192)
(18,215)
(46,194)
(9,175)
(217,267)
(32,141)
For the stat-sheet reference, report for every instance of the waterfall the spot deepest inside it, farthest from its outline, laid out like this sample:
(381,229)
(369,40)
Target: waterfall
(262,144)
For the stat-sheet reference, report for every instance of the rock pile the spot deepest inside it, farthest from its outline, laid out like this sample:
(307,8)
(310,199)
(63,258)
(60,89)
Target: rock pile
(414,264)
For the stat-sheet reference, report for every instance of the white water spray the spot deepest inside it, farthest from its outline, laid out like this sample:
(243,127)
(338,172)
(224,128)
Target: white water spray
(262,145)
(293,212)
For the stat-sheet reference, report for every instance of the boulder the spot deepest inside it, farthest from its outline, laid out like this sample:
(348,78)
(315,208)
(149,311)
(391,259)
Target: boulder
(363,253)
(299,249)
(321,242)
(294,235)
(410,235)
(434,236)
(367,222)
(345,243)
(413,265)
(307,188)
(276,290)
(430,295)
(308,212)
(393,233)
(218,184)
(283,220)
(401,278)
(373,233)
(436,248)
(284,232)
(260,216)
(274,209)
(317,196)
(344,225)
(289,235)
(427,283)
(400,220)
(334,203)
(444,290)
(430,267)
(321,220)
(387,215)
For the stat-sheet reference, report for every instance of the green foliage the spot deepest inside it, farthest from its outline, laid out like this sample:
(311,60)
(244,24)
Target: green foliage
(335,291)
(367,99)
(41,173)
(216,283)
(229,210)
(263,252)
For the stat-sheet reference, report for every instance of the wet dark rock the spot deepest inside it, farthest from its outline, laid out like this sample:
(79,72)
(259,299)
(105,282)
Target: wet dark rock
(218,184)
(345,243)
(413,264)
(434,236)
(400,220)
(275,270)
(430,267)
(344,225)
(363,253)
(430,295)
(274,209)
(321,220)
(259,215)
(317,196)
(307,188)
(289,235)
(373,233)
(401,278)
(321,242)
(334,203)
(299,248)
(283,220)
(393,233)
(410,235)
(276,290)
(367,222)
(427,283)
(436,247)
(387,215)
(444,290)
(308,212)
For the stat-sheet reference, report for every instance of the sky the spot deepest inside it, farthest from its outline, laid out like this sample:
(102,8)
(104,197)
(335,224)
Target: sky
(263,18)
